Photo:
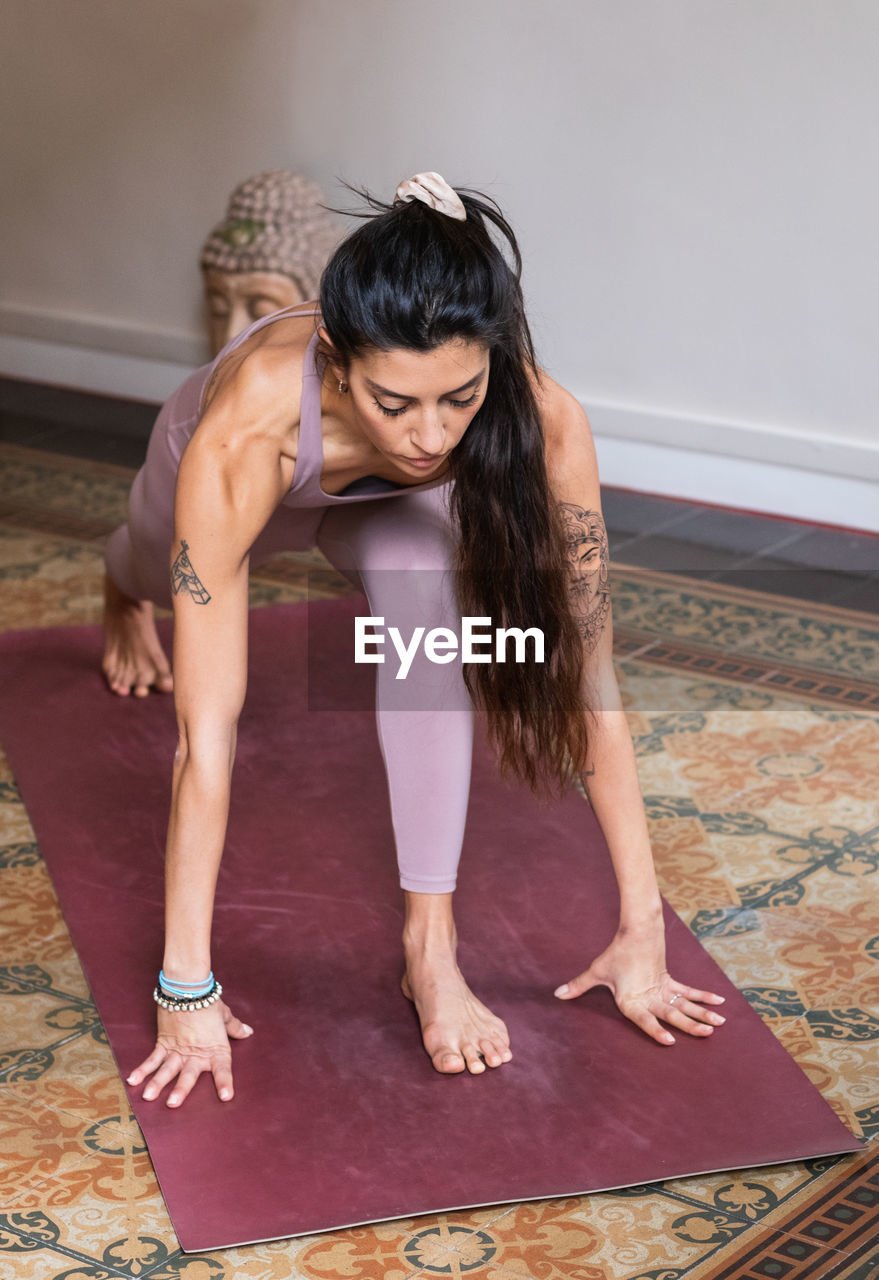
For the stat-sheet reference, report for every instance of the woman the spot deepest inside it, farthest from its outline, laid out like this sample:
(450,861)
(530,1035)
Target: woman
(403,425)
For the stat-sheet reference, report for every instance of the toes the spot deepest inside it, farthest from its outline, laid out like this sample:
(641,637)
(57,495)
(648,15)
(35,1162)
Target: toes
(502,1044)
(115,677)
(136,665)
(473,1058)
(447,1061)
(159,671)
(496,1045)
(149,678)
(124,679)
(491,1052)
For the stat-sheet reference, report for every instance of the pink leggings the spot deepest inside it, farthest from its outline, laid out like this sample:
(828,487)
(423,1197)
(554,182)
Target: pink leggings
(397,550)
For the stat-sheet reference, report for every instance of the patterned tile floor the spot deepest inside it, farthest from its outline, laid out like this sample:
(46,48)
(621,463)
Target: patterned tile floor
(756,722)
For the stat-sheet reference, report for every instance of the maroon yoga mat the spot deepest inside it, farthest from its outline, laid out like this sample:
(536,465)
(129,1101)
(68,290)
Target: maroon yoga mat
(339,1117)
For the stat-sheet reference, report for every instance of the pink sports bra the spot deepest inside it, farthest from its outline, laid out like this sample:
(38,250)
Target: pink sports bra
(305,490)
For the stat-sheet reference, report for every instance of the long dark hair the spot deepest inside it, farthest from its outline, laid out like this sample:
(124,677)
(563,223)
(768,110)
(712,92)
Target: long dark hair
(411,277)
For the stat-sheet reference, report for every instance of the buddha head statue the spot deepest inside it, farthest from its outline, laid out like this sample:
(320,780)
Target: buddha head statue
(267,253)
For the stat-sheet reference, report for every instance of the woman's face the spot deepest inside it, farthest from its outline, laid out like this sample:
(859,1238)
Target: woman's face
(415,406)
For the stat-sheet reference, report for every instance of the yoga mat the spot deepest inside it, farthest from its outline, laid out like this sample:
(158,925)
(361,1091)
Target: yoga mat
(339,1117)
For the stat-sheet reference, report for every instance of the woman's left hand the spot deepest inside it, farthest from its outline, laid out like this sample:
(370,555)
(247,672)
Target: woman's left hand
(634,969)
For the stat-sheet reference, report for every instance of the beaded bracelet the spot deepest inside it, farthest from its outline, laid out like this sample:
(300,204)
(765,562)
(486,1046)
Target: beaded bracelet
(185,1004)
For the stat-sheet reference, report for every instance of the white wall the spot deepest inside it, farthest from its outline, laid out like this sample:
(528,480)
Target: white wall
(126,127)
(694,185)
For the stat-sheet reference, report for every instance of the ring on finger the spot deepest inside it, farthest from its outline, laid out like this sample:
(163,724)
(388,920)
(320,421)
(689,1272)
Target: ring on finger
(676,996)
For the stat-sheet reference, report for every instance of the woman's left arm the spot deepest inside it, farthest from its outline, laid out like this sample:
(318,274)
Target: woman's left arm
(633,965)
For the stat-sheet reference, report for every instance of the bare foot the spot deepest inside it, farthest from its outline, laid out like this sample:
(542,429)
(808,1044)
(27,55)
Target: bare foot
(133,655)
(457,1029)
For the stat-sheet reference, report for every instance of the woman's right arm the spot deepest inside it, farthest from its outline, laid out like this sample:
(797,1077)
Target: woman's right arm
(231,478)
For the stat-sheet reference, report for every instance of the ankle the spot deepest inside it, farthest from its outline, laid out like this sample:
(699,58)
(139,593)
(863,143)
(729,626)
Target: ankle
(429,925)
(429,943)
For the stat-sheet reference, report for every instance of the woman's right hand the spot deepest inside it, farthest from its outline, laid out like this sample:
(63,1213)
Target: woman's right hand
(188,1044)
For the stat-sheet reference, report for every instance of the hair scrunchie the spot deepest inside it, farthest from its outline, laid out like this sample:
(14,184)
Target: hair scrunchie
(433,190)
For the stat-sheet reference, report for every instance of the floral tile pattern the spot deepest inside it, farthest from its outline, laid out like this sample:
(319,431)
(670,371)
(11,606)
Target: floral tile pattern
(755,720)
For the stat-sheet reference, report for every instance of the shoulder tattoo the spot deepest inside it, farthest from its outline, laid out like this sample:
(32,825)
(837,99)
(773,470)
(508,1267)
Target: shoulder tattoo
(184,577)
(588,569)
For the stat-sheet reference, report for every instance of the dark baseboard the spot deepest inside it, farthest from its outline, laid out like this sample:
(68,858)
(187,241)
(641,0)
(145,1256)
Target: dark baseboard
(44,406)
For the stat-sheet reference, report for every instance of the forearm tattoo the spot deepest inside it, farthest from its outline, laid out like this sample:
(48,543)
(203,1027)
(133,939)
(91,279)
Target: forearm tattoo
(184,577)
(588,570)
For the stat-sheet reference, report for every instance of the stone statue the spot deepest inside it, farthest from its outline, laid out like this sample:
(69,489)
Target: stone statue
(267,253)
